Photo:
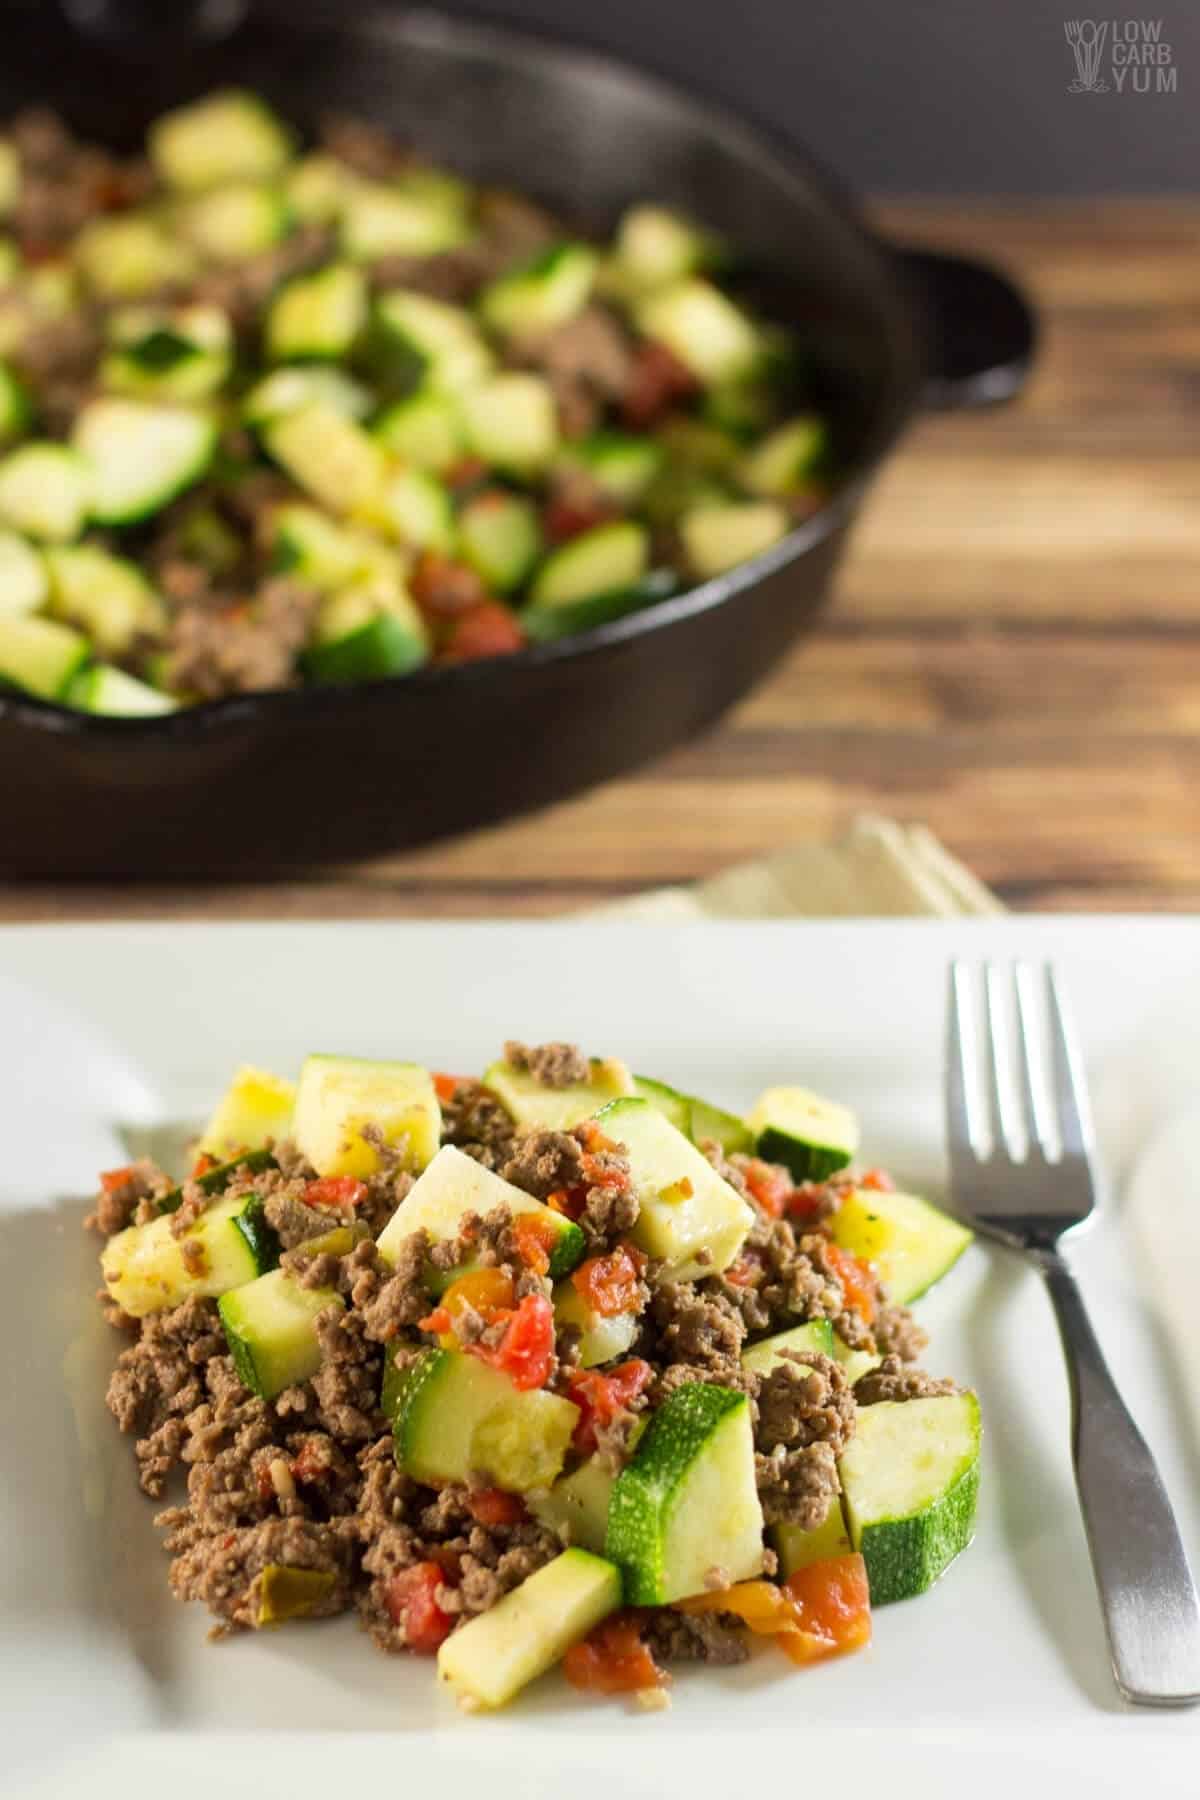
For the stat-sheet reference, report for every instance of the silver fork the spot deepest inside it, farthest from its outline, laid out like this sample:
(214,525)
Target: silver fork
(1147,1593)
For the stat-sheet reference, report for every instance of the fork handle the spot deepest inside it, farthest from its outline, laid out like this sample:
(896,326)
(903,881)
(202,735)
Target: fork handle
(1147,1593)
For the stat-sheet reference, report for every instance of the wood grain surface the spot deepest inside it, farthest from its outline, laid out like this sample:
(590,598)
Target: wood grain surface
(1012,654)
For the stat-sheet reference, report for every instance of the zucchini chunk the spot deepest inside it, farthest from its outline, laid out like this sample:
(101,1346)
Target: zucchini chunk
(911,1480)
(785,460)
(369,631)
(130,256)
(813,1338)
(911,1243)
(147,1268)
(141,456)
(598,561)
(105,595)
(655,246)
(308,543)
(271,1328)
(419,342)
(415,508)
(302,384)
(700,325)
(319,316)
(338,1095)
(603,1337)
(454,1185)
(719,537)
(180,356)
(105,689)
(231,223)
(812,1137)
(538,1108)
(399,218)
(15,408)
(725,1128)
(687,1502)
(621,464)
(315,187)
(424,430)
(542,294)
(227,136)
(45,491)
(454,1417)
(511,421)
(668,1101)
(500,535)
(495,1655)
(686,1208)
(329,456)
(543,624)
(24,582)
(577,1505)
(254,1111)
(853,1362)
(797,1548)
(40,656)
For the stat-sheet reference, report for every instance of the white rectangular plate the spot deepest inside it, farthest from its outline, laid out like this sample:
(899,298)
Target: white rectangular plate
(116,1037)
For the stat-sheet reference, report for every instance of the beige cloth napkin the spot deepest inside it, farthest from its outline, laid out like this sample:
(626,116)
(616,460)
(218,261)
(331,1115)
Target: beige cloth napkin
(876,869)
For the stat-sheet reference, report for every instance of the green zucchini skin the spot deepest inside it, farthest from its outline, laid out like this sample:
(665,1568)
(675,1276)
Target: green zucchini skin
(905,1557)
(804,1162)
(217,1180)
(251,1222)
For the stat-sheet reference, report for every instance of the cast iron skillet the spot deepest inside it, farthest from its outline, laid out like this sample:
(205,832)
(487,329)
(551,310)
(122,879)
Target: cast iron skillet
(271,781)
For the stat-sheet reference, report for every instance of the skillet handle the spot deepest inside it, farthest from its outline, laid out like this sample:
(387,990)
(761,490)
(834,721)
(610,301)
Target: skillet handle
(979,330)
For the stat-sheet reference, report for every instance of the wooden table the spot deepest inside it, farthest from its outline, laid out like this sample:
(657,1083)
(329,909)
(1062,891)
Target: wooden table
(1013,653)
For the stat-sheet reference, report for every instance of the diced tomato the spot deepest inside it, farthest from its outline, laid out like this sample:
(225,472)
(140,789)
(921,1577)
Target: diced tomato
(444,588)
(593,1138)
(612,1659)
(526,1352)
(446,1086)
(611,1284)
(564,518)
(489,1292)
(761,1605)
(492,1506)
(770,1186)
(806,1201)
(657,379)
(410,1596)
(877,1181)
(746,1270)
(113,1179)
(342,1192)
(203,1163)
(831,1606)
(858,1282)
(466,473)
(489,629)
(536,1238)
(313,1460)
(601,1397)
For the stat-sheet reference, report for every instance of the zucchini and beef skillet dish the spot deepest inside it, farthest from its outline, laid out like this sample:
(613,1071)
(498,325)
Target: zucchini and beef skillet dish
(560,1364)
(272,415)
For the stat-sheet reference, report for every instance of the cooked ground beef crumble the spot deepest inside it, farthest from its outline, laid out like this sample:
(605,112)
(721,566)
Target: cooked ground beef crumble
(309,1479)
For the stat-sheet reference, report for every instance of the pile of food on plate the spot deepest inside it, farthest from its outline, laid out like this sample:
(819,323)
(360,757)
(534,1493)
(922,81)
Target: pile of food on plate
(271,415)
(559,1364)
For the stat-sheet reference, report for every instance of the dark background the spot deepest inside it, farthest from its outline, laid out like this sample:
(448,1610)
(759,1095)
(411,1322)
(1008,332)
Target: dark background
(901,96)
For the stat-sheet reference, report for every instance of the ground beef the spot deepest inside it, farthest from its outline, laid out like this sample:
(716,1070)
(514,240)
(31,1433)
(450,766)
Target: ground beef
(729,1168)
(806,1417)
(543,1162)
(514,228)
(348,1381)
(697,1325)
(551,1065)
(475,1121)
(58,359)
(116,1204)
(673,1636)
(368,149)
(609,1212)
(451,275)
(781,1281)
(241,648)
(391,1299)
(159,1380)
(64,184)
(285,1211)
(225,1572)
(591,350)
(615,1436)
(194,1203)
(892,1380)
(804,1399)
(897,1333)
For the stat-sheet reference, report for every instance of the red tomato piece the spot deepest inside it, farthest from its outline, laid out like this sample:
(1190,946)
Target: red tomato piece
(203,1163)
(831,1604)
(526,1352)
(113,1179)
(410,1596)
(656,381)
(446,1086)
(610,1284)
(858,1282)
(536,1238)
(492,1506)
(612,1659)
(601,1397)
(339,1191)
(770,1186)
(877,1181)
(488,629)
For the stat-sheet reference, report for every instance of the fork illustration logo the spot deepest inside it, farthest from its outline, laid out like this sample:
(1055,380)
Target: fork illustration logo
(1086,39)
